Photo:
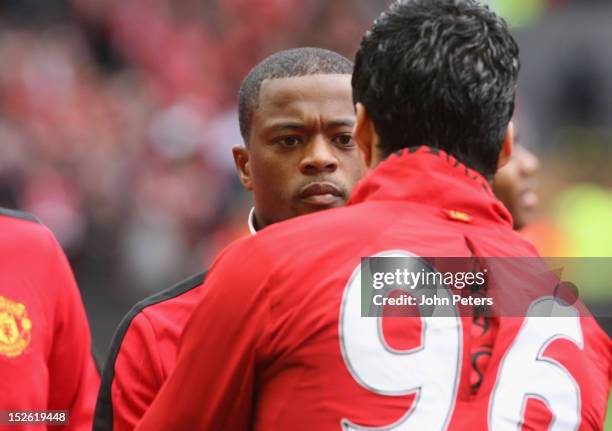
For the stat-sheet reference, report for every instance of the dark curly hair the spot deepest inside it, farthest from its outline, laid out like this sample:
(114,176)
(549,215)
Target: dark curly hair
(441,73)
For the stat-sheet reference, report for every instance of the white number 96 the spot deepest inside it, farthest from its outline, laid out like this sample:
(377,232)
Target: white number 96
(432,370)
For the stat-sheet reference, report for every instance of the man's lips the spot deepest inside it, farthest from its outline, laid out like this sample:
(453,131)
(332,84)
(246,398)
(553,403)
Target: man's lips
(321,194)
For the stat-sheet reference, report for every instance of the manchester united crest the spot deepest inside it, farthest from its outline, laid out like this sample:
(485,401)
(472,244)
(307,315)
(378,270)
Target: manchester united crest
(15,328)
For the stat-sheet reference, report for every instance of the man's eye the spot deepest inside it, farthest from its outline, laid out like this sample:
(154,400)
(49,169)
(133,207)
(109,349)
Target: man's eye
(345,140)
(288,141)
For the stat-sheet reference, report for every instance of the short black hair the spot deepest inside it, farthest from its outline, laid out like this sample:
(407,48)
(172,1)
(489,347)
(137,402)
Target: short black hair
(441,73)
(286,64)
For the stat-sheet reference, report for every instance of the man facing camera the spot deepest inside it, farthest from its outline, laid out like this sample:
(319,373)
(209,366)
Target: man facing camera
(296,117)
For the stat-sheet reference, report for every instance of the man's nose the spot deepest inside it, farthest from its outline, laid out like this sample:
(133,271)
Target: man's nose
(319,157)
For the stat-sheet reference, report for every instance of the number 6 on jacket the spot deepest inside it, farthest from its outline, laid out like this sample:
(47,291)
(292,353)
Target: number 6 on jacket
(525,371)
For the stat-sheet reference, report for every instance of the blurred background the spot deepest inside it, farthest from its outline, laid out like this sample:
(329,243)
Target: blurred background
(117,119)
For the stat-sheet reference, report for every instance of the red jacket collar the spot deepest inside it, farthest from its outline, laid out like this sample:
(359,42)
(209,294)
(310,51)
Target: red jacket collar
(431,177)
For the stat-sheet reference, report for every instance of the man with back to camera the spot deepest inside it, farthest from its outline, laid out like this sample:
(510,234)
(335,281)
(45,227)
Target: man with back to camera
(46,365)
(296,117)
(276,341)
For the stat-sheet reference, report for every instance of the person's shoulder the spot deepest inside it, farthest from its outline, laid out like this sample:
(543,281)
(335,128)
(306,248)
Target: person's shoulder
(21,225)
(165,302)
(310,238)
(23,235)
(163,306)
(334,223)
(136,327)
(17,216)
(268,257)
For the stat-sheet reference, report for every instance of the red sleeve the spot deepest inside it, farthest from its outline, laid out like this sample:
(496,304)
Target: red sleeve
(73,375)
(137,374)
(212,385)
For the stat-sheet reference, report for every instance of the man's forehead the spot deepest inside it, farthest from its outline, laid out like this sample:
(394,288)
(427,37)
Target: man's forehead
(280,92)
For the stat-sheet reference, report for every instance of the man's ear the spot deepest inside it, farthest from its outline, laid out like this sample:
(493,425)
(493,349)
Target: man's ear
(241,159)
(366,137)
(506,151)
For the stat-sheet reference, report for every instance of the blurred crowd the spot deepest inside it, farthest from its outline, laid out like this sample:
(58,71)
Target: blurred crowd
(117,119)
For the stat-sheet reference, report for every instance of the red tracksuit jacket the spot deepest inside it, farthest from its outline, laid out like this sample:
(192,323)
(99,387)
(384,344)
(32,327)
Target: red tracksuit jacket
(277,341)
(45,344)
(142,355)
(144,352)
